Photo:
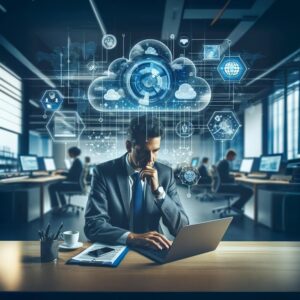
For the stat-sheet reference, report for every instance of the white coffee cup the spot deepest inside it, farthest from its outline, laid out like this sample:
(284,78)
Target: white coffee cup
(70,237)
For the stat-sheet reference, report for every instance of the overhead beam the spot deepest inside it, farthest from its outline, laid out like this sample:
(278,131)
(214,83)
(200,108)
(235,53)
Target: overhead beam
(257,10)
(247,17)
(208,14)
(98,17)
(172,18)
(276,66)
(21,58)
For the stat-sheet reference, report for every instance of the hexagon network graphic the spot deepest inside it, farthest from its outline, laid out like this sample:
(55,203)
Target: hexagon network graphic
(223,125)
(232,68)
(65,126)
(150,80)
(52,100)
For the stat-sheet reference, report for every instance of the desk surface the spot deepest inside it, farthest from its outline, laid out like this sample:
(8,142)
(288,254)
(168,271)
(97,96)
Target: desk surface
(44,179)
(234,266)
(263,181)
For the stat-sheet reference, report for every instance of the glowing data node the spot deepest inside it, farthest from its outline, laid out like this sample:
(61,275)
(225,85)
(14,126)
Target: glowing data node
(223,125)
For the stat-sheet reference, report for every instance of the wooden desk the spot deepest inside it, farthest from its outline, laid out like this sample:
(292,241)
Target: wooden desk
(234,266)
(256,183)
(18,183)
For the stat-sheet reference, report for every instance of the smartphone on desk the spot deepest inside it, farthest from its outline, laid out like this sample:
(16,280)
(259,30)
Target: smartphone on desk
(98,252)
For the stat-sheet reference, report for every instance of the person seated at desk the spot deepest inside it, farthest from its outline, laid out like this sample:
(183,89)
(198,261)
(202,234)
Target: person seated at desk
(129,195)
(205,178)
(72,182)
(228,184)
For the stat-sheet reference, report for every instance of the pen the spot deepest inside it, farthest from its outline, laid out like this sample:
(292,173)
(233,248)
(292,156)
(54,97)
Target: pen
(47,231)
(40,235)
(58,231)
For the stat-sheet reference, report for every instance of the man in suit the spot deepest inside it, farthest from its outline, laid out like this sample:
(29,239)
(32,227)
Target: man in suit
(228,184)
(129,195)
(72,182)
(205,178)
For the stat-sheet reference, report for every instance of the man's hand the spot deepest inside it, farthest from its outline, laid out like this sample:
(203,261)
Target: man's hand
(151,173)
(150,239)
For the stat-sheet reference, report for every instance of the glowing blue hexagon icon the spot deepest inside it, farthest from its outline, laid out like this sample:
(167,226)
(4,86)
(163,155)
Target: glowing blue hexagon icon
(65,126)
(232,68)
(52,100)
(223,125)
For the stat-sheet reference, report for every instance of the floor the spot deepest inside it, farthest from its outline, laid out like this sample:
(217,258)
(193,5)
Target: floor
(241,229)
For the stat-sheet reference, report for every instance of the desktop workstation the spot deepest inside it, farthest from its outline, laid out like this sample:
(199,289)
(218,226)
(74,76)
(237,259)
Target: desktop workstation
(178,114)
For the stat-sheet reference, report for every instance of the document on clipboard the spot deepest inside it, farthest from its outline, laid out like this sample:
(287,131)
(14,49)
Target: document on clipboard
(100,255)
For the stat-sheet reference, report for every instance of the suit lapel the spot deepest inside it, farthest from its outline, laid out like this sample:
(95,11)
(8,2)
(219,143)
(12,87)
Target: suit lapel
(123,184)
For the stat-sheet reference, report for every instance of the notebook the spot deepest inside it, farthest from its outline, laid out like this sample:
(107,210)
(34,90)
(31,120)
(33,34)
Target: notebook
(110,259)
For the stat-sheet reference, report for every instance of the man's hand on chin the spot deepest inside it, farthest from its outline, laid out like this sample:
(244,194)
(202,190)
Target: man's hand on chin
(151,239)
(150,173)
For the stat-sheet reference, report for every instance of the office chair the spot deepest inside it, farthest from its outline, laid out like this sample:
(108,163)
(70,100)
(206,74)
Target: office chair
(203,191)
(226,210)
(82,191)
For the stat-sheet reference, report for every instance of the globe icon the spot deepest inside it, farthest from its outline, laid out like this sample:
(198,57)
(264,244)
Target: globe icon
(232,68)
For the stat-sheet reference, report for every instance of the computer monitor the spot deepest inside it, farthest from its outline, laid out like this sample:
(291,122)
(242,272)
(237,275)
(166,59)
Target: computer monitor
(49,164)
(29,163)
(195,162)
(270,164)
(246,165)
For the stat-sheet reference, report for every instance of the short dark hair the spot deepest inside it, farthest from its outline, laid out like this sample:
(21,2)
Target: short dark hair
(205,160)
(230,152)
(75,151)
(144,127)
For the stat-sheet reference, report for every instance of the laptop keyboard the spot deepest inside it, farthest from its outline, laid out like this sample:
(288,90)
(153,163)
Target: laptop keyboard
(158,253)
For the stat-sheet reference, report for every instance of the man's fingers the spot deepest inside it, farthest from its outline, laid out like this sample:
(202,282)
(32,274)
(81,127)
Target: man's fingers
(161,238)
(161,241)
(169,243)
(152,243)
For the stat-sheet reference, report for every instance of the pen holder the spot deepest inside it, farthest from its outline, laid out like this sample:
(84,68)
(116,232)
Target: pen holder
(49,250)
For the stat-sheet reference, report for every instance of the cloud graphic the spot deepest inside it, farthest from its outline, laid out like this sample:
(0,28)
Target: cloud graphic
(185,91)
(151,51)
(112,95)
(150,80)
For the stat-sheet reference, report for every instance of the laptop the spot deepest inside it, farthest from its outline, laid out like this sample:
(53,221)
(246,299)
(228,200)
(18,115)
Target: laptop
(191,240)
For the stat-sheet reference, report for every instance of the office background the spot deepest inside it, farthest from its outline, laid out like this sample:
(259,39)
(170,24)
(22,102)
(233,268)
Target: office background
(56,45)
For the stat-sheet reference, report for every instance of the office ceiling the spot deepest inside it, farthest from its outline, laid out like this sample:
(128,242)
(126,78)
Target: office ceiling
(263,33)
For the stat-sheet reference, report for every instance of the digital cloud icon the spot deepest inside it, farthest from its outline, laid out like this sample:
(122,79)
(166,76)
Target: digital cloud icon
(185,91)
(112,95)
(150,80)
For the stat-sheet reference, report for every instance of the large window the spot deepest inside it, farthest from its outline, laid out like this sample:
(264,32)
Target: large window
(253,131)
(10,100)
(39,145)
(276,122)
(293,120)
(10,114)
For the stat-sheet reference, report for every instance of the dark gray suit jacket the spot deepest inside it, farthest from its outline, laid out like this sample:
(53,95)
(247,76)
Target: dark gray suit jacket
(108,208)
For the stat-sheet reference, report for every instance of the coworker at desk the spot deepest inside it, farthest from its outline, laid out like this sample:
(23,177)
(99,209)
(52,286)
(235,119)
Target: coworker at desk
(130,194)
(205,178)
(72,183)
(228,184)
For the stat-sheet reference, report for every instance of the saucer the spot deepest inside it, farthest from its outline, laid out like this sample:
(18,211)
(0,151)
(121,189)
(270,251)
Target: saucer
(73,247)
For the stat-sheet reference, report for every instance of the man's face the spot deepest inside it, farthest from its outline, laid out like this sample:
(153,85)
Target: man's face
(144,154)
(231,157)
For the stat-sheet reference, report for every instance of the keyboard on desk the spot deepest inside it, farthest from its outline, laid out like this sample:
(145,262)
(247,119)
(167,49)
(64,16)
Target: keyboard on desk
(157,255)
(257,176)
(39,175)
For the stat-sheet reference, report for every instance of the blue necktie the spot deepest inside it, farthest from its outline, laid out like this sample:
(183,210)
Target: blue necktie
(137,198)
